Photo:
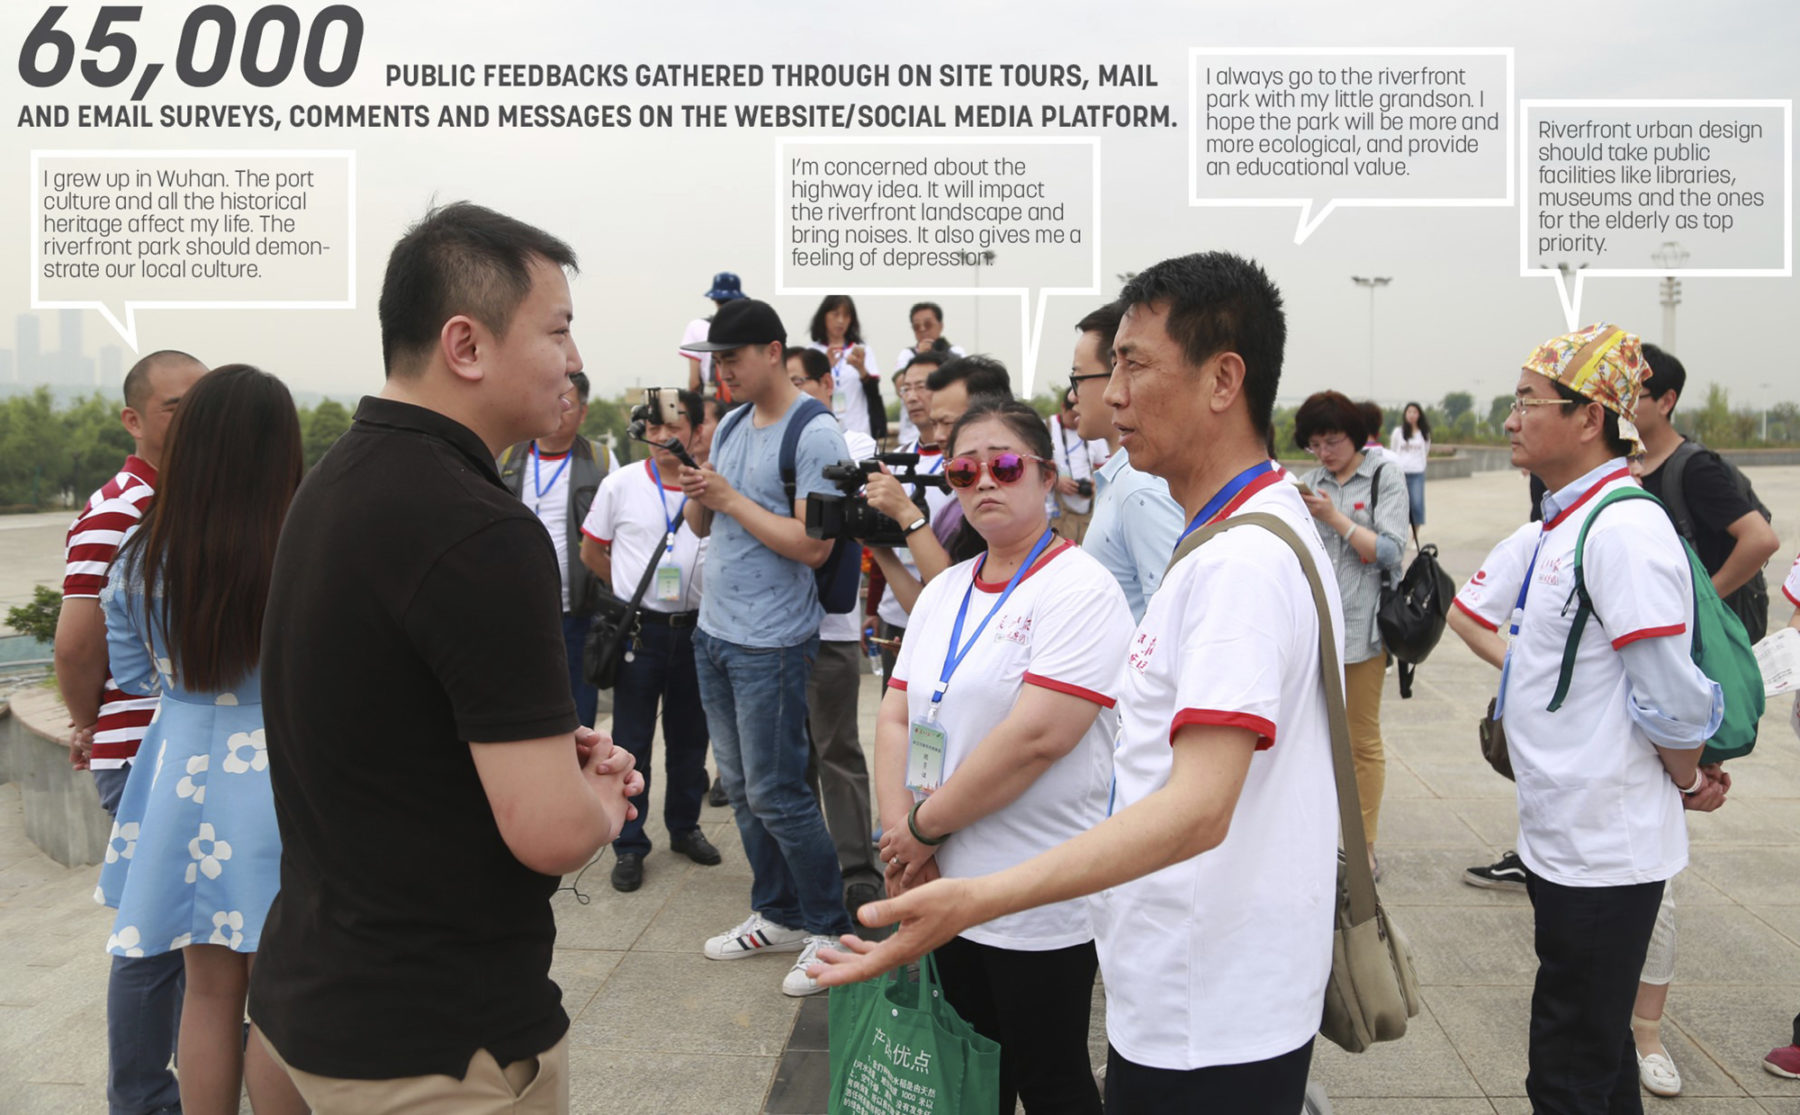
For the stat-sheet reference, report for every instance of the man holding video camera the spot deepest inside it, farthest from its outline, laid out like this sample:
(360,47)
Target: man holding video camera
(636,520)
(759,635)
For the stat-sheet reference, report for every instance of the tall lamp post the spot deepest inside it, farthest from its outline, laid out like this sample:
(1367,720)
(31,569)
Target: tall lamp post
(987,260)
(1374,284)
(1670,256)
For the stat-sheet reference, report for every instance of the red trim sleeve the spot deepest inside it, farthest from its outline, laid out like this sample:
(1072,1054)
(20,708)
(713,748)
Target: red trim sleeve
(1472,614)
(897,683)
(1792,599)
(586,533)
(1264,729)
(1630,637)
(1072,690)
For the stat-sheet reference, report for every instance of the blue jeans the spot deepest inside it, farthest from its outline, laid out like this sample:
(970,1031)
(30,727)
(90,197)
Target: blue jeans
(1415,497)
(587,698)
(143,1010)
(755,700)
(662,667)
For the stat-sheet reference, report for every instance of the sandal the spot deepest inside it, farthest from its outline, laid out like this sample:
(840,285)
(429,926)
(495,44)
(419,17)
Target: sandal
(1659,1075)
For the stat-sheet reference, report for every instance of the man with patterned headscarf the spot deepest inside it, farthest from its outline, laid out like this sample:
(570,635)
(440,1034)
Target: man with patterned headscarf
(1604,771)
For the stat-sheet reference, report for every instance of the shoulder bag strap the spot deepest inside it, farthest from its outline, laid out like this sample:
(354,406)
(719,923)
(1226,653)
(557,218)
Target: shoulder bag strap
(1356,859)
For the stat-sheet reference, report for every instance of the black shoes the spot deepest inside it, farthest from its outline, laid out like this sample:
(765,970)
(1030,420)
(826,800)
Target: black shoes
(695,846)
(627,872)
(1506,873)
(716,795)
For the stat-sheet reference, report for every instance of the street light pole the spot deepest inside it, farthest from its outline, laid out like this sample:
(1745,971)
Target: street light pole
(1671,255)
(1373,283)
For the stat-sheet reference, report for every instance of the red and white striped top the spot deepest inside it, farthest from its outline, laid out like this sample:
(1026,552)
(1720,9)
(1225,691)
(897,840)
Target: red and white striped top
(93,540)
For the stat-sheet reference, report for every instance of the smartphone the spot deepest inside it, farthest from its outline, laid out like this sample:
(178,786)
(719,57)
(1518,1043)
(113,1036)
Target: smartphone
(1305,489)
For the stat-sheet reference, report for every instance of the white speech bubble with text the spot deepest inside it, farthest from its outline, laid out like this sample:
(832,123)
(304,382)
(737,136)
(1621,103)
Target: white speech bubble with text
(1323,128)
(120,231)
(866,215)
(1604,185)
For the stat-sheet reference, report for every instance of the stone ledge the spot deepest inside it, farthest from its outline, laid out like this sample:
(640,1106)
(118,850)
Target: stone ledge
(61,807)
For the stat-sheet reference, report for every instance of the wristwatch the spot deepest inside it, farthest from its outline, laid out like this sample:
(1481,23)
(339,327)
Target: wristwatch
(916,524)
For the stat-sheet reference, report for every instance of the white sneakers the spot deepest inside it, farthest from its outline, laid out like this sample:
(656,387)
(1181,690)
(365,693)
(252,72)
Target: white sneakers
(797,983)
(755,934)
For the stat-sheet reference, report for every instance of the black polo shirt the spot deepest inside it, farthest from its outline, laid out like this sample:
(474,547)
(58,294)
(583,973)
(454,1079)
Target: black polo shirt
(415,608)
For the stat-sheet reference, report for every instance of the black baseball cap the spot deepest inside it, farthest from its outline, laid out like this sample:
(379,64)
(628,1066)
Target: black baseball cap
(743,322)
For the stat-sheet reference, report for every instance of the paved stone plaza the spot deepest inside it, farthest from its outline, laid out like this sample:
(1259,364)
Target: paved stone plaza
(658,1028)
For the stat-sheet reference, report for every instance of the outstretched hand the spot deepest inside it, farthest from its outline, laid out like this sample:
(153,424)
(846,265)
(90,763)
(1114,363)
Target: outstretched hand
(929,916)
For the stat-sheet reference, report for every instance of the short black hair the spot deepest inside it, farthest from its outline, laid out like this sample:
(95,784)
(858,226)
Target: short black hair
(1666,372)
(936,310)
(1572,399)
(461,258)
(1330,412)
(1017,415)
(580,380)
(137,380)
(980,375)
(1105,322)
(1220,302)
(812,362)
(692,406)
(816,328)
(931,358)
(1374,418)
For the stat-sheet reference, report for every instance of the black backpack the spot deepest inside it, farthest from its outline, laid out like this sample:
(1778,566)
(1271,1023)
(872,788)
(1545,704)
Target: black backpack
(1750,601)
(1412,613)
(839,578)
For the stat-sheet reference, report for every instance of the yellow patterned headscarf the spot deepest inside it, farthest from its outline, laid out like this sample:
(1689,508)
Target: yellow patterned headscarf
(1603,363)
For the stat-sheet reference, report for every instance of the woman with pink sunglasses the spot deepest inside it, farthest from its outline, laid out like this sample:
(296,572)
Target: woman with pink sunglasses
(994,743)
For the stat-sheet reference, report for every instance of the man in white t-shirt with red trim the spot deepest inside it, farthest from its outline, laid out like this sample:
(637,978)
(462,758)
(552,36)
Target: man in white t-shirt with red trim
(143,994)
(1216,873)
(1601,777)
(628,525)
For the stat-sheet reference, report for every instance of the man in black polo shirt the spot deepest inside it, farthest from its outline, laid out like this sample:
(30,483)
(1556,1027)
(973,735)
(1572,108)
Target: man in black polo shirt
(429,777)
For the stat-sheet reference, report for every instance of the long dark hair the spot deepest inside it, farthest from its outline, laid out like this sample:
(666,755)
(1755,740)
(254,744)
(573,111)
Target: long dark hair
(1423,429)
(207,545)
(852,335)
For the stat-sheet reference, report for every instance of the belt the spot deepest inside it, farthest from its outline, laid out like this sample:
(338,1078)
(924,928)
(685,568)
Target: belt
(669,619)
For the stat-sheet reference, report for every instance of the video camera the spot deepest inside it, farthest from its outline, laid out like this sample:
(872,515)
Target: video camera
(848,515)
(658,404)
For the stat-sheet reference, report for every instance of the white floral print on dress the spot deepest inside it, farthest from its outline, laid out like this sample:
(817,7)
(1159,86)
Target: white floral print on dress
(228,929)
(208,853)
(125,942)
(123,842)
(187,788)
(251,742)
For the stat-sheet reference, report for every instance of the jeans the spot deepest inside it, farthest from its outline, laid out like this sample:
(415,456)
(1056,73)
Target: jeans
(755,700)
(662,667)
(143,1010)
(587,698)
(1590,946)
(1415,497)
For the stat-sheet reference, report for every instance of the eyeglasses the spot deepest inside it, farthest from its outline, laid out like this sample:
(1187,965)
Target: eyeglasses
(1519,404)
(1320,445)
(1075,382)
(1005,468)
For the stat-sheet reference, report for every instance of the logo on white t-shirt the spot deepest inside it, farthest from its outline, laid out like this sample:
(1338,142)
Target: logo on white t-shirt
(1141,650)
(1013,629)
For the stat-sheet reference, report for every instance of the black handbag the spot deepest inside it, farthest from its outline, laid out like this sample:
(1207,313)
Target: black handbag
(615,627)
(1493,742)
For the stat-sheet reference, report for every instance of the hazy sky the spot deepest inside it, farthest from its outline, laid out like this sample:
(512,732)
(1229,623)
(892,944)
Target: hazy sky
(654,213)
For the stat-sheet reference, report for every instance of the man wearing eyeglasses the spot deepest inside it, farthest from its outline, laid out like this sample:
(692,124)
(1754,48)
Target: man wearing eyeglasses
(1135,521)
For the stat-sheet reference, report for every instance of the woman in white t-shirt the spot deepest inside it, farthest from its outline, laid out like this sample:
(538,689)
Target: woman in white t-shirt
(994,743)
(1411,446)
(837,332)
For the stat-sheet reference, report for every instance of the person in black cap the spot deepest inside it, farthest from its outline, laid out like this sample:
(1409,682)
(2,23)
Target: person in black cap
(726,288)
(759,636)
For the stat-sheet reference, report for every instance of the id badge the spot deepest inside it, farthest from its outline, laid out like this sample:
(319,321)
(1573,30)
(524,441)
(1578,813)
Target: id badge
(668,583)
(925,757)
(840,400)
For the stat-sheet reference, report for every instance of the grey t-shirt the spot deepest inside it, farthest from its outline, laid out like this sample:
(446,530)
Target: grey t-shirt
(755,597)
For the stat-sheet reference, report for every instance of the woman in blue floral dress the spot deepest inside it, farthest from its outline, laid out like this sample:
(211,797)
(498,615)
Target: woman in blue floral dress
(195,856)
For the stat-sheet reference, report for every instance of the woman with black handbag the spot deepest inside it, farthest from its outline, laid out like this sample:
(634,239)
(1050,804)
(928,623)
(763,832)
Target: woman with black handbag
(1360,508)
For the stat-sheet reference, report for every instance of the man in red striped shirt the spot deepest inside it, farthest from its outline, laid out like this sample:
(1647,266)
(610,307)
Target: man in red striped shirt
(143,995)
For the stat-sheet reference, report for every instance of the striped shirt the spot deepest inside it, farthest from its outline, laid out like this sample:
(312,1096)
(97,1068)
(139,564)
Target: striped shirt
(93,539)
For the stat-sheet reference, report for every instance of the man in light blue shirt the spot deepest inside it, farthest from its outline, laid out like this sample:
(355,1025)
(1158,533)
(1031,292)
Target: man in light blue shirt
(1135,521)
(758,638)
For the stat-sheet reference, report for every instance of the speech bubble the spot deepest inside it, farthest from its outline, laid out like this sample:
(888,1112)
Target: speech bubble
(934,215)
(1608,186)
(122,231)
(1323,128)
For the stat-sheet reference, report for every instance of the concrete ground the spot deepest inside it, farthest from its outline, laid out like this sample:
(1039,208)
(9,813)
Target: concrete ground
(657,1028)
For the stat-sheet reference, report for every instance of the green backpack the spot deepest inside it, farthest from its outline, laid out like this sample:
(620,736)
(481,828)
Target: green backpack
(1721,647)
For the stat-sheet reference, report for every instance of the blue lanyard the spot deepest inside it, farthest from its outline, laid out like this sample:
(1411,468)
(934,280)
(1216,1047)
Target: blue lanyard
(536,478)
(673,521)
(1237,484)
(1513,626)
(953,657)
